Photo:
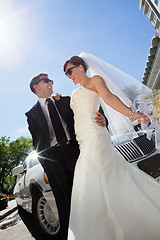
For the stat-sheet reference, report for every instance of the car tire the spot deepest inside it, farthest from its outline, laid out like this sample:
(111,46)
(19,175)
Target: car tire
(27,219)
(44,219)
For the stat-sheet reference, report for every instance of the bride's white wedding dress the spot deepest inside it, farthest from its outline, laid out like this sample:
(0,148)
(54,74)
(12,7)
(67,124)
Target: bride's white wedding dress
(111,199)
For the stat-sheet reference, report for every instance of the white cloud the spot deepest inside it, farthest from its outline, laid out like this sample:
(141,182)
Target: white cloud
(23,130)
(20,132)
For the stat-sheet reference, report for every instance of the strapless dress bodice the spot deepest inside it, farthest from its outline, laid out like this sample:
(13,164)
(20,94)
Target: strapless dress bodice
(85,103)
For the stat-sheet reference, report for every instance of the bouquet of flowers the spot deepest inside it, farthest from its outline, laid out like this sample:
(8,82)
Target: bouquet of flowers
(150,105)
(154,96)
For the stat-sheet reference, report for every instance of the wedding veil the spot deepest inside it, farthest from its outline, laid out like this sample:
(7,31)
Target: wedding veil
(122,85)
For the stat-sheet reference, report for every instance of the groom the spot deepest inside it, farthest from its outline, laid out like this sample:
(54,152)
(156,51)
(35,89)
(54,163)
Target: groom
(51,125)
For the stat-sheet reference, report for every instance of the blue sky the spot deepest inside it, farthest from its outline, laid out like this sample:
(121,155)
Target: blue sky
(39,35)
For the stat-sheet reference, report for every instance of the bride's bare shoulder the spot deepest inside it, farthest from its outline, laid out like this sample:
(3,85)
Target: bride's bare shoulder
(96,83)
(97,79)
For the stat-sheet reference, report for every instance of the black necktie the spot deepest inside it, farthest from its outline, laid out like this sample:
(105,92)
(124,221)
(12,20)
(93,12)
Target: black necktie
(56,122)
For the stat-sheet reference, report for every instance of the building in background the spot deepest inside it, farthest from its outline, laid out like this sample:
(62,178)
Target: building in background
(151,77)
(152,9)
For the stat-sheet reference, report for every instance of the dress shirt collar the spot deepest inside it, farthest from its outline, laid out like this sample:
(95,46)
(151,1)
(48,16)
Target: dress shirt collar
(43,100)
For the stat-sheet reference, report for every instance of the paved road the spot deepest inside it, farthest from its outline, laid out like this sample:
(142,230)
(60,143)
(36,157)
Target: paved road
(17,232)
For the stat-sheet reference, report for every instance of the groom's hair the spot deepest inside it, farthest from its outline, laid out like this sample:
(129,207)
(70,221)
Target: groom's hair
(76,61)
(35,80)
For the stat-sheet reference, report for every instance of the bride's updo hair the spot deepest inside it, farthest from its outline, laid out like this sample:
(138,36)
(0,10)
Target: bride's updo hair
(76,61)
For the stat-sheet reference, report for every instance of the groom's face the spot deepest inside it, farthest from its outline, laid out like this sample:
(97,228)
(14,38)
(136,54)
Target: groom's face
(44,89)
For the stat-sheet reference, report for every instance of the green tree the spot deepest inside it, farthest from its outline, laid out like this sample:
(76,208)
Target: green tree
(9,184)
(12,154)
(19,149)
(4,153)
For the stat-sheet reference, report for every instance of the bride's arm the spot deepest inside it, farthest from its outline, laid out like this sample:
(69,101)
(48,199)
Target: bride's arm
(112,100)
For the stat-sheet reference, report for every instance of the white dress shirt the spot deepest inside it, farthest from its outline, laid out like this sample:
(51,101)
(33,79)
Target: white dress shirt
(44,106)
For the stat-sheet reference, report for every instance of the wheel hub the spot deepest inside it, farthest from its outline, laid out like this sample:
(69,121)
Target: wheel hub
(47,217)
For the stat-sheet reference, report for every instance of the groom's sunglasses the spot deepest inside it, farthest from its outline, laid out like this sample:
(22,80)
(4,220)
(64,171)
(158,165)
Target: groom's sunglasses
(69,71)
(45,80)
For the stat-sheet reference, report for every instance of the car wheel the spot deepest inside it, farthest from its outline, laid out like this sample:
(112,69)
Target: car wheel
(45,219)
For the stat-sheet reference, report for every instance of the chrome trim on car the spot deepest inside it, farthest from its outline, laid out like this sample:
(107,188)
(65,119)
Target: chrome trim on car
(136,149)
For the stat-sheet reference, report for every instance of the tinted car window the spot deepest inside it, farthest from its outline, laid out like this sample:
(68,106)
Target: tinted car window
(33,161)
(24,164)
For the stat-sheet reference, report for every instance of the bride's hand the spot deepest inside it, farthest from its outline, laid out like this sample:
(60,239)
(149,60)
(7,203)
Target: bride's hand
(57,96)
(140,117)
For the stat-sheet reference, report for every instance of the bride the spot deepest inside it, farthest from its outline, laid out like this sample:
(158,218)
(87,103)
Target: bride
(107,203)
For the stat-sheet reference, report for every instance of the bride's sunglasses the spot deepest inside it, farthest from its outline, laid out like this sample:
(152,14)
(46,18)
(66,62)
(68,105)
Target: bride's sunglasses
(69,71)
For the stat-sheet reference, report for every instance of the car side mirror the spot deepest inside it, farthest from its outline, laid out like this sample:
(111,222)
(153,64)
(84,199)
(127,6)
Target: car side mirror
(18,170)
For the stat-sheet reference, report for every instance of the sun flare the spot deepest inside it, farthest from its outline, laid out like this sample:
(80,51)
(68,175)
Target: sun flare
(13,35)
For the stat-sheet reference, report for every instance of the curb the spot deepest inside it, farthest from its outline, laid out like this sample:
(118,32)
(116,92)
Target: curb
(8,213)
(8,223)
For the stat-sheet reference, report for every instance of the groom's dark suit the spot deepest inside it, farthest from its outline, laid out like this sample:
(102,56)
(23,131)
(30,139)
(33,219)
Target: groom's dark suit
(58,162)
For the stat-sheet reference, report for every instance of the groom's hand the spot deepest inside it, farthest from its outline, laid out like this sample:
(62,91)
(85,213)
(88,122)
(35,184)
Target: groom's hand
(100,120)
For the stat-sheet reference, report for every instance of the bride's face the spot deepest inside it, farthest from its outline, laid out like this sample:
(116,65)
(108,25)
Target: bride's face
(74,73)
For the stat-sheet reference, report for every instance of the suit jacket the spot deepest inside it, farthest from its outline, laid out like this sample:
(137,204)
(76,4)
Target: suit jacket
(38,127)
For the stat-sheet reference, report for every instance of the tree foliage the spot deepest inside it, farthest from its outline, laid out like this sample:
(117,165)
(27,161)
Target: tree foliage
(12,154)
